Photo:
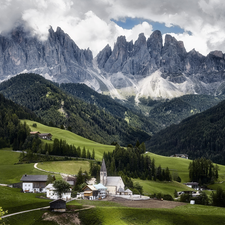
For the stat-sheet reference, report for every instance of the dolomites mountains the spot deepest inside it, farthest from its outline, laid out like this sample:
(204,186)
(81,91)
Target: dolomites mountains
(145,68)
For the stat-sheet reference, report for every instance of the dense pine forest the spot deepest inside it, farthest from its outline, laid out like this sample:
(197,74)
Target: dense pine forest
(106,103)
(133,163)
(12,132)
(56,108)
(201,135)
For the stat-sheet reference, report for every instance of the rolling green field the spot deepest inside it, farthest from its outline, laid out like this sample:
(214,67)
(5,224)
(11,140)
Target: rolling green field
(10,172)
(151,187)
(68,167)
(114,214)
(71,139)
(180,166)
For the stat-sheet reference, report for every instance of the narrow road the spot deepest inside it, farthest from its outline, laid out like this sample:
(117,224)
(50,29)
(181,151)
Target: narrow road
(13,214)
(62,174)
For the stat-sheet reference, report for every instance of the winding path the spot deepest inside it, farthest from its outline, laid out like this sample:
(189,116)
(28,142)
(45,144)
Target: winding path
(13,214)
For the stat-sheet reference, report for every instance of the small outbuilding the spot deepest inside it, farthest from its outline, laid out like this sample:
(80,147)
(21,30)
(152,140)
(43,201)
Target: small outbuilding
(58,205)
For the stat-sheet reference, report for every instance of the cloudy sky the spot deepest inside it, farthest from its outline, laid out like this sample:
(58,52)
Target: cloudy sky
(200,24)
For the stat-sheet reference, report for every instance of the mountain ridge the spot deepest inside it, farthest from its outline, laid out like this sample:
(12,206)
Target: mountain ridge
(145,68)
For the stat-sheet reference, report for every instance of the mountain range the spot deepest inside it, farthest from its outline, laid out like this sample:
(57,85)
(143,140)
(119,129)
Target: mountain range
(145,68)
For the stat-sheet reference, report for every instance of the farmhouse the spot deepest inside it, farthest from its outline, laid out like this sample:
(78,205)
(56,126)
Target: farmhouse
(184,156)
(90,192)
(52,194)
(193,185)
(46,136)
(34,183)
(114,184)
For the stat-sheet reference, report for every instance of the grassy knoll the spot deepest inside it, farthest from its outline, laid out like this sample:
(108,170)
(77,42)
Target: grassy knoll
(151,187)
(180,166)
(71,139)
(68,167)
(13,200)
(109,213)
(188,214)
(10,172)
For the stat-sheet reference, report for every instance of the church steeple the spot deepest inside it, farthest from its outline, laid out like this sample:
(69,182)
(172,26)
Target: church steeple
(103,173)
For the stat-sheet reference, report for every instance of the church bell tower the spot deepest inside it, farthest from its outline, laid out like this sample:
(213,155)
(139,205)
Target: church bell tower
(103,173)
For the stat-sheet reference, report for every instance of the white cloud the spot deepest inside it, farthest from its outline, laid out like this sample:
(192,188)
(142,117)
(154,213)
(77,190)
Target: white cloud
(89,22)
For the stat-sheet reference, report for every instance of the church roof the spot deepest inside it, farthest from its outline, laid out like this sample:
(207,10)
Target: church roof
(103,167)
(113,181)
(100,186)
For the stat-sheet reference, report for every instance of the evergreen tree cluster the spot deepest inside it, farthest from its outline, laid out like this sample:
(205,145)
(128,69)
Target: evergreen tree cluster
(12,132)
(58,148)
(203,171)
(132,163)
(201,135)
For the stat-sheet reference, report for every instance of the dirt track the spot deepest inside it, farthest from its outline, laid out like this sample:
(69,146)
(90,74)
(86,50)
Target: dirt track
(148,203)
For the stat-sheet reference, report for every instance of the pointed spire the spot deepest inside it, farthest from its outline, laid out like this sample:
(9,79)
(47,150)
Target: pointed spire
(103,167)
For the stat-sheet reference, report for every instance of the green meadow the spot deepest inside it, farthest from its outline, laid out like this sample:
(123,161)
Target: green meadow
(68,167)
(151,187)
(71,139)
(11,172)
(115,214)
(13,200)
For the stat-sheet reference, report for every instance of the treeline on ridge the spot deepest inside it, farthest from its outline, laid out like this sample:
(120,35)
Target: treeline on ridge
(201,135)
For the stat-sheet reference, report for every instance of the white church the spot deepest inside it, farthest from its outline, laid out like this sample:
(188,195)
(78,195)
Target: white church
(114,184)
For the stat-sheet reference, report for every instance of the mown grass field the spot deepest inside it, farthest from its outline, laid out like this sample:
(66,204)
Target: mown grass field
(71,139)
(68,167)
(151,187)
(188,214)
(11,172)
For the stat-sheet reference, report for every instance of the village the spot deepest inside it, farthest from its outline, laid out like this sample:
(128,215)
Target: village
(109,187)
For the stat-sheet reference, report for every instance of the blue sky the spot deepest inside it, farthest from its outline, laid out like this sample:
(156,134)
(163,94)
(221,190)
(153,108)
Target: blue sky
(129,23)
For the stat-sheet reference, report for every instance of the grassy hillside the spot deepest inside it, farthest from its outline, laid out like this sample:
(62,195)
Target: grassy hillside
(151,187)
(71,138)
(180,166)
(182,215)
(10,172)
(13,200)
(68,167)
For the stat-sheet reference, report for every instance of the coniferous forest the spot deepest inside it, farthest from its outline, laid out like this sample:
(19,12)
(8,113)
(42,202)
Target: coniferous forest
(57,108)
(201,135)
(12,132)
(133,163)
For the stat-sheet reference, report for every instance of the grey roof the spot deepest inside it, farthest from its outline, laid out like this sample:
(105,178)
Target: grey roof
(120,190)
(34,178)
(191,183)
(100,186)
(103,167)
(128,191)
(58,200)
(113,181)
